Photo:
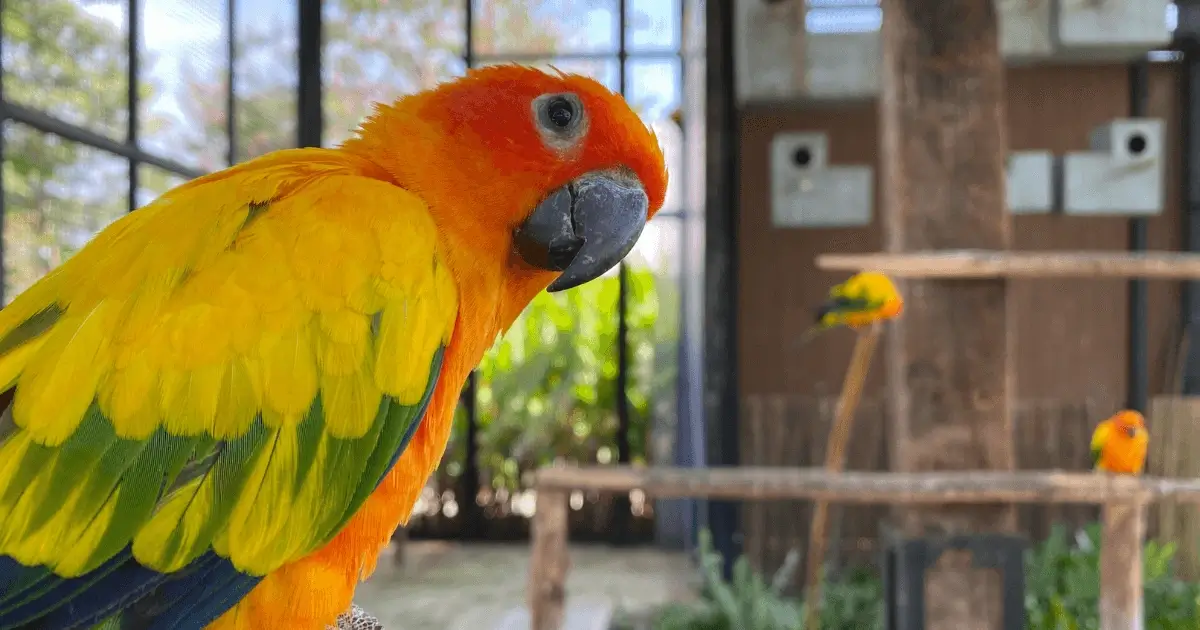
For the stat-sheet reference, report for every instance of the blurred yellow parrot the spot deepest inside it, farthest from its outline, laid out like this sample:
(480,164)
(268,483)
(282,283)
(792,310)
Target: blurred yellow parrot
(866,297)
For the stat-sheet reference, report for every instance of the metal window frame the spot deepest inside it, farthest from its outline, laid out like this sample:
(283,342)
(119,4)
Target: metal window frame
(129,148)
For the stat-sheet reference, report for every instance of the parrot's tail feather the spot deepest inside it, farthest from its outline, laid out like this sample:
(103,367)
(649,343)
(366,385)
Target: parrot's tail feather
(203,597)
(92,597)
(138,596)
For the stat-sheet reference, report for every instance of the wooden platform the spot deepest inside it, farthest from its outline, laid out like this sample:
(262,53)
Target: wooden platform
(972,263)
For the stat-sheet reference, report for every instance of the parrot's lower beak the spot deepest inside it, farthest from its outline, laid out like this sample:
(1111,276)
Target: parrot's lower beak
(584,228)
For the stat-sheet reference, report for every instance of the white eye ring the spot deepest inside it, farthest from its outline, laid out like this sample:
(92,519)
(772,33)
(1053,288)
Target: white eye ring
(561,119)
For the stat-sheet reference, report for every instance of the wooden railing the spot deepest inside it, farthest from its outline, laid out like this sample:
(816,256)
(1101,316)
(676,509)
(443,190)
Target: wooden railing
(1124,501)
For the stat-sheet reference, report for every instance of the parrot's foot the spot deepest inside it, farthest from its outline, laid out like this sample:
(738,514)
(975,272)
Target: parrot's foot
(357,619)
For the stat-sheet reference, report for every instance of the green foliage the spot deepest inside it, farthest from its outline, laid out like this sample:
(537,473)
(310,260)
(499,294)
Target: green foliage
(748,602)
(1063,585)
(745,603)
(548,388)
(1062,593)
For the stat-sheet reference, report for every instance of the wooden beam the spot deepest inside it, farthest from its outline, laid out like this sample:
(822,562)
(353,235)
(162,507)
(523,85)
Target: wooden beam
(1124,525)
(943,148)
(968,264)
(549,562)
(752,483)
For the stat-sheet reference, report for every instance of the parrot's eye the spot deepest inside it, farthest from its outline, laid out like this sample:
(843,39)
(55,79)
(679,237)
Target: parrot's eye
(560,119)
(561,112)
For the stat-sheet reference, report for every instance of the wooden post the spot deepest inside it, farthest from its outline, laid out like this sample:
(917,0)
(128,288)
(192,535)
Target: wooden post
(950,373)
(1121,566)
(835,461)
(549,562)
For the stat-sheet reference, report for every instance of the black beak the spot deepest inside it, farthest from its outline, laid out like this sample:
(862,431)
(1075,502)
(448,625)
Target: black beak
(584,228)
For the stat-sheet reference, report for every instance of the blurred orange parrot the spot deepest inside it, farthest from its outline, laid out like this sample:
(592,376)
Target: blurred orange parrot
(1119,444)
(226,402)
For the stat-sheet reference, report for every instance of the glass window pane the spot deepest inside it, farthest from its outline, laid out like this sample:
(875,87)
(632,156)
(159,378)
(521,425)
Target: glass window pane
(653,318)
(606,70)
(57,196)
(652,25)
(544,26)
(654,92)
(265,76)
(182,81)
(376,52)
(153,182)
(67,58)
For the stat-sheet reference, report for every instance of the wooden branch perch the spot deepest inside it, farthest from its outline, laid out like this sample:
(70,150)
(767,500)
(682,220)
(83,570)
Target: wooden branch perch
(835,461)
(889,488)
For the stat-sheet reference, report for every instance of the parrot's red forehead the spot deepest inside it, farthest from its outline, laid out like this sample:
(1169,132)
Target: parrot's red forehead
(493,107)
(1130,418)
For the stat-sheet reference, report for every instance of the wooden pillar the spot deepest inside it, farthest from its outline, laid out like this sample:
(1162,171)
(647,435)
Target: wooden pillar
(1121,566)
(949,363)
(549,561)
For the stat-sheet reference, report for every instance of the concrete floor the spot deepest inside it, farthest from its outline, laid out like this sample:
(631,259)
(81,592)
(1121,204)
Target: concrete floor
(449,586)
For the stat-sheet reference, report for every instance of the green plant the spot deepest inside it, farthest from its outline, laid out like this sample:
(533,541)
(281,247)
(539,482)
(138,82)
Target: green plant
(1063,585)
(548,388)
(748,602)
(745,603)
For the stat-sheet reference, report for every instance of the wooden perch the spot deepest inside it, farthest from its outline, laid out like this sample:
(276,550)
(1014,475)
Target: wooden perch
(967,263)
(835,461)
(889,488)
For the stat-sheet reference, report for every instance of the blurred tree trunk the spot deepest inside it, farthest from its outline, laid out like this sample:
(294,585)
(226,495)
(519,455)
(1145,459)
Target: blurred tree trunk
(944,146)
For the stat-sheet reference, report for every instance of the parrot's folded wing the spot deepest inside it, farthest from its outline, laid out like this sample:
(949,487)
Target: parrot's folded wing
(1099,438)
(211,388)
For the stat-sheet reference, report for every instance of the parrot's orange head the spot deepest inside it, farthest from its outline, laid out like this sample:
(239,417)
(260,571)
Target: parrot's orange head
(552,169)
(1129,422)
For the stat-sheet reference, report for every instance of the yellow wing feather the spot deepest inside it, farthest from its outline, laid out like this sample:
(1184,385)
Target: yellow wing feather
(254,292)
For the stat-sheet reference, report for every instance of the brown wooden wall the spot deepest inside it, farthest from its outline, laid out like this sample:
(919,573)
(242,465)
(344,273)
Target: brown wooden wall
(1071,334)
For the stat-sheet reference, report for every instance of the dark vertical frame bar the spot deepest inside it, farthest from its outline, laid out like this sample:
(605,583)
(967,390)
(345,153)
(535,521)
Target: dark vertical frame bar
(620,530)
(673,517)
(309,115)
(473,522)
(720,271)
(230,75)
(1139,334)
(133,45)
(1187,36)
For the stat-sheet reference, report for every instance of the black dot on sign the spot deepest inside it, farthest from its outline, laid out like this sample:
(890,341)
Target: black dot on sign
(1136,144)
(802,157)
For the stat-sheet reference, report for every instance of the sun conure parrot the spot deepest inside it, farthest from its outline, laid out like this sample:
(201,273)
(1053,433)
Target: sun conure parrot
(864,298)
(1119,444)
(226,402)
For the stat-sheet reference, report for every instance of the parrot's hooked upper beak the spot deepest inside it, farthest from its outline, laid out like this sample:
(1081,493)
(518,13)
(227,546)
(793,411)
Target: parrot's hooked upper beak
(584,228)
